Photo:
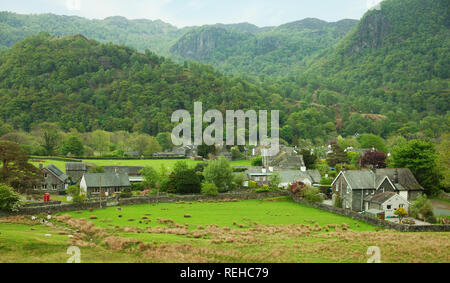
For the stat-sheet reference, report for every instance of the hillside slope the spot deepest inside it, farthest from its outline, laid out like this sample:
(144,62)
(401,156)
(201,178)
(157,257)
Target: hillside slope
(233,48)
(396,60)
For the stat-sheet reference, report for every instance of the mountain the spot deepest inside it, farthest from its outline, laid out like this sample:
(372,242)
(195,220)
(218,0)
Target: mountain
(395,62)
(269,51)
(83,84)
(232,48)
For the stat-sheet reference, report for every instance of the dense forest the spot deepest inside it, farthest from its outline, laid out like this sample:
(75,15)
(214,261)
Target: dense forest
(388,76)
(234,48)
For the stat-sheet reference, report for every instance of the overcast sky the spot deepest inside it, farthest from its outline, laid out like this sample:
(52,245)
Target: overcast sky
(199,12)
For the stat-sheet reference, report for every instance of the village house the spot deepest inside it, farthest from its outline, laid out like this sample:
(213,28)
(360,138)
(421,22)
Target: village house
(133,172)
(53,181)
(385,204)
(76,170)
(308,177)
(108,184)
(355,186)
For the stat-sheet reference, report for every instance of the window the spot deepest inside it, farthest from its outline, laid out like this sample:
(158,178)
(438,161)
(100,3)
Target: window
(117,190)
(257,179)
(401,206)
(55,187)
(45,175)
(44,186)
(389,207)
(34,187)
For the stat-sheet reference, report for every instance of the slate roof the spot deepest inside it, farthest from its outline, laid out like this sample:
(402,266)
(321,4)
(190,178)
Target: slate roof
(360,179)
(107,180)
(292,176)
(380,198)
(76,166)
(406,179)
(367,179)
(58,173)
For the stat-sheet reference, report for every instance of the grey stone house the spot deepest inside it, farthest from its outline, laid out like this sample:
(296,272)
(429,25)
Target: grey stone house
(356,185)
(76,170)
(133,172)
(96,184)
(53,181)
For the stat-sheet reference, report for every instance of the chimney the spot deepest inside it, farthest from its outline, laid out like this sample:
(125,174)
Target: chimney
(396,178)
(303,169)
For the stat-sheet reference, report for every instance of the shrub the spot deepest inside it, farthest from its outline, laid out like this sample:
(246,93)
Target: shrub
(401,213)
(423,209)
(9,199)
(275,180)
(239,179)
(220,173)
(257,161)
(187,181)
(209,189)
(298,189)
(126,193)
(312,195)
(252,184)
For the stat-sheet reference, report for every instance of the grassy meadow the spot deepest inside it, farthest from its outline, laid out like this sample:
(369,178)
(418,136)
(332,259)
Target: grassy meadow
(253,231)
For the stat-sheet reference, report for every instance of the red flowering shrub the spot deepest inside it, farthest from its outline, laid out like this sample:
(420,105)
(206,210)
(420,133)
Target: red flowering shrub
(298,189)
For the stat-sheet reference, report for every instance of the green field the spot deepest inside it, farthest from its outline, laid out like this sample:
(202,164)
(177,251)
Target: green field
(273,230)
(148,162)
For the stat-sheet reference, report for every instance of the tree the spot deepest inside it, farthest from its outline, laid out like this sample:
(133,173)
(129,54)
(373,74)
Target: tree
(420,157)
(97,169)
(257,161)
(239,180)
(16,171)
(309,158)
(374,158)
(372,141)
(151,177)
(72,146)
(204,150)
(165,140)
(220,173)
(275,180)
(444,160)
(187,181)
(145,144)
(101,141)
(209,189)
(336,156)
(401,213)
(75,192)
(422,209)
(9,199)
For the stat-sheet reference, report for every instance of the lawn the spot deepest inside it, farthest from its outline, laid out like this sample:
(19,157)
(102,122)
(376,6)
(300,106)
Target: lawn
(253,231)
(156,163)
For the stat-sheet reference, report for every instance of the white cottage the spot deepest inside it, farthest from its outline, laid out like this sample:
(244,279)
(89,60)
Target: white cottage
(387,202)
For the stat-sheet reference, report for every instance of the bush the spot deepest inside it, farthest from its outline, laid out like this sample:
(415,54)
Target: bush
(298,189)
(126,193)
(239,179)
(312,195)
(252,184)
(423,209)
(264,189)
(9,199)
(257,161)
(209,189)
(220,173)
(187,182)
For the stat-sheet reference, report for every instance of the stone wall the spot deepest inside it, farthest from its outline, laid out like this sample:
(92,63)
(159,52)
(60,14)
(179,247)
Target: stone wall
(55,208)
(375,221)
